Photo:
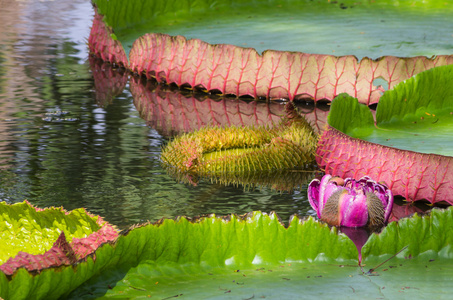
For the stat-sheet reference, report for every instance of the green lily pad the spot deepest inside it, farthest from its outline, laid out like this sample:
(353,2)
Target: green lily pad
(35,239)
(409,146)
(427,240)
(232,243)
(426,237)
(248,256)
(28,229)
(290,281)
(416,115)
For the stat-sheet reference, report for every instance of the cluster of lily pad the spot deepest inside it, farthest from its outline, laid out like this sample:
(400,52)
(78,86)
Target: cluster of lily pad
(173,257)
(57,254)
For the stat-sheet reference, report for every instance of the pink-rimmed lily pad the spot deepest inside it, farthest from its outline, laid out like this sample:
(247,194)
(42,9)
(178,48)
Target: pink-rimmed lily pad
(37,239)
(409,146)
(231,69)
(248,255)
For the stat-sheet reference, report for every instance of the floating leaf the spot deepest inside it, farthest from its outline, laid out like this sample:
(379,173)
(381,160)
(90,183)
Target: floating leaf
(415,116)
(210,243)
(26,228)
(37,239)
(101,38)
(60,254)
(243,151)
(426,237)
(232,69)
(254,254)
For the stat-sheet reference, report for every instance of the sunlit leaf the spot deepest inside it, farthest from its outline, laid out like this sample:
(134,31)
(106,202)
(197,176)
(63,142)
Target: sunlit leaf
(36,239)
(426,237)
(252,255)
(32,230)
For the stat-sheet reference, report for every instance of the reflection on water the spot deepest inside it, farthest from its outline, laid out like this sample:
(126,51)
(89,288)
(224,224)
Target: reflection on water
(76,133)
(72,135)
(172,112)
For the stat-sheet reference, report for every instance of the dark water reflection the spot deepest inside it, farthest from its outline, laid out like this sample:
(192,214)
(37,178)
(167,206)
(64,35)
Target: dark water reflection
(69,140)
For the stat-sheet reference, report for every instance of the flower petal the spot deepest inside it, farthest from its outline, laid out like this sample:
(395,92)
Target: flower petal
(313,195)
(353,210)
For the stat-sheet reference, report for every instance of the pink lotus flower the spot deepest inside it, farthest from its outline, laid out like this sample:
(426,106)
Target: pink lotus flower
(349,202)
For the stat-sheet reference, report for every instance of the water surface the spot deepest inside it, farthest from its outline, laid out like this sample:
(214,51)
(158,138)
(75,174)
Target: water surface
(72,134)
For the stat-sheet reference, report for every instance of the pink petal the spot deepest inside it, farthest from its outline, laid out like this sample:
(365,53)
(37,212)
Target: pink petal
(353,210)
(313,195)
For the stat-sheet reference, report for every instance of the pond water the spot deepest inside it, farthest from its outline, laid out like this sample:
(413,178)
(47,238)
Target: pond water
(75,133)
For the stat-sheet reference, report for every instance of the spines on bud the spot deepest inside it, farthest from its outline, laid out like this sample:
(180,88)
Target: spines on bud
(237,151)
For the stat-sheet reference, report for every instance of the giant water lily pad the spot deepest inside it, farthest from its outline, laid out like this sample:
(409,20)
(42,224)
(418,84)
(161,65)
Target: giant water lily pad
(409,146)
(211,45)
(253,255)
(36,239)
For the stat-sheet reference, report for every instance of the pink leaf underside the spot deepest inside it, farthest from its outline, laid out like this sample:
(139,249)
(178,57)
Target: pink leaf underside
(415,176)
(171,112)
(242,71)
(85,246)
(62,252)
(403,211)
(103,45)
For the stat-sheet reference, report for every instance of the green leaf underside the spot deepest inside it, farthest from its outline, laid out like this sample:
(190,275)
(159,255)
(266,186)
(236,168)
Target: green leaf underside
(214,257)
(416,115)
(22,228)
(350,27)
